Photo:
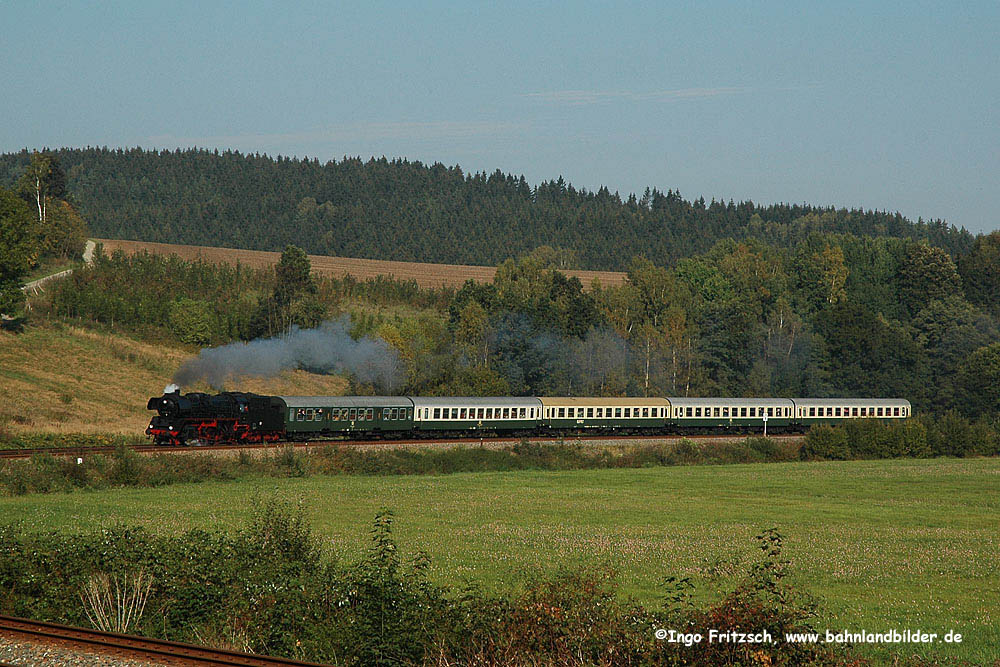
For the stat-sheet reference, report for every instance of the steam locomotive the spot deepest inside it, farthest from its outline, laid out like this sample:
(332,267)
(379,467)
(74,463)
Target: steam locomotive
(237,417)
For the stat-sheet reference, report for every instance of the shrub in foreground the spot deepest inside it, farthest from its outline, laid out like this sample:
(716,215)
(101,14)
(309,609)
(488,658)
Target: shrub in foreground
(270,588)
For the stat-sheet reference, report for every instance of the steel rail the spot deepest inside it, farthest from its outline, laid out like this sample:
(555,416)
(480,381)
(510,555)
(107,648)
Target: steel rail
(158,649)
(391,442)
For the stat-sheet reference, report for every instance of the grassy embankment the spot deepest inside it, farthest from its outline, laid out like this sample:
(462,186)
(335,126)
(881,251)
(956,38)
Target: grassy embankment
(885,544)
(61,379)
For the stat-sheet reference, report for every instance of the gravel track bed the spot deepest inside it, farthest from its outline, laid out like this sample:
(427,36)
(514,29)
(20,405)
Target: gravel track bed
(19,652)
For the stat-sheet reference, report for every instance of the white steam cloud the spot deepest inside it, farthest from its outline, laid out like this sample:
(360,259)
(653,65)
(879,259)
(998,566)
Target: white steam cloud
(329,348)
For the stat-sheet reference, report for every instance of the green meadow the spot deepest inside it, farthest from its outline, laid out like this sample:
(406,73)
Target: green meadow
(905,544)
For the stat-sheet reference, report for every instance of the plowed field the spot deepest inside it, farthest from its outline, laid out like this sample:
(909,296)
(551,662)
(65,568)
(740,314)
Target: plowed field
(426,275)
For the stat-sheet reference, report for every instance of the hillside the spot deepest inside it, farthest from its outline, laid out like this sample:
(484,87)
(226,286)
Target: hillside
(424,274)
(61,379)
(407,211)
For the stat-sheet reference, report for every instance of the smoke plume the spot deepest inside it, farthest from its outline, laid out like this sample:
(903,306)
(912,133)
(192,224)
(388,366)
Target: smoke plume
(329,348)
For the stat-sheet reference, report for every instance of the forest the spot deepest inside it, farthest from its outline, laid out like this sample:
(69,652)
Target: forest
(836,315)
(410,211)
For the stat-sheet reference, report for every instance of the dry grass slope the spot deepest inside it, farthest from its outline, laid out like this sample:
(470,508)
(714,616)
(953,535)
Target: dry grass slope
(70,380)
(426,275)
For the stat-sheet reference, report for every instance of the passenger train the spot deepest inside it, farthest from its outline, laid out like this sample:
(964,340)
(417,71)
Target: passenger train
(236,417)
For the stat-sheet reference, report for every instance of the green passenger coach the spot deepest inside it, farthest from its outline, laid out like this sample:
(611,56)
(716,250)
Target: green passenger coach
(309,416)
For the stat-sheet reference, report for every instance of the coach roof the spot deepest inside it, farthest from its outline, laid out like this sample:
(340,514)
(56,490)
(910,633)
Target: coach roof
(474,401)
(852,402)
(739,402)
(347,401)
(557,401)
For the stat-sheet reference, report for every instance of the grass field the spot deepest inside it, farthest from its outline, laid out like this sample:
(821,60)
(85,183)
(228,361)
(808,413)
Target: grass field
(60,379)
(884,544)
(426,275)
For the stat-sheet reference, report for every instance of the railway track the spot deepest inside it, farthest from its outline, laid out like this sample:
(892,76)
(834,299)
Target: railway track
(402,442)
(159,651)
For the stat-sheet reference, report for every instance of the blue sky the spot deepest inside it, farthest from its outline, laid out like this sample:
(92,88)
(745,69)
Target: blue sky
(883,105)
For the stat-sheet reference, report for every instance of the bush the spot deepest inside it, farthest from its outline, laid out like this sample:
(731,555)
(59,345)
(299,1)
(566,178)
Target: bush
(825,442)
(270,588)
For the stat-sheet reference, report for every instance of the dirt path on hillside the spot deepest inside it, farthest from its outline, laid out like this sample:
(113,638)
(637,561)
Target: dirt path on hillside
(35,286)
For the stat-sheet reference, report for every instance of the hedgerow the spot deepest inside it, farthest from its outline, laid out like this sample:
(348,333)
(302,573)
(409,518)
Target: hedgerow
(271,588)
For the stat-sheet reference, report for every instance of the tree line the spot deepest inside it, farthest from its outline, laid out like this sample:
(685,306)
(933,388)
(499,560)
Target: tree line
(410,211)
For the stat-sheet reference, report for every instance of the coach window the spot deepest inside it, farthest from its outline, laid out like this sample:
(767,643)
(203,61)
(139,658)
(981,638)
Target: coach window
(725,412)
(369,414)
(437,413)
(895,412)
(561,412)
(590,412)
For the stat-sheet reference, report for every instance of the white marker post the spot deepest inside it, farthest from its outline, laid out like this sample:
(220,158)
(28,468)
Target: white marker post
(765,424)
